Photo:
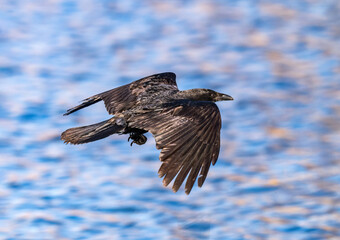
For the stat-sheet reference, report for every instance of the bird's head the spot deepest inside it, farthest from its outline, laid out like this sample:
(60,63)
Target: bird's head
(202,94)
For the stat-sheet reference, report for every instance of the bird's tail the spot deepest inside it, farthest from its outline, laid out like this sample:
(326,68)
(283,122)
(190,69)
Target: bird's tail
(92,132)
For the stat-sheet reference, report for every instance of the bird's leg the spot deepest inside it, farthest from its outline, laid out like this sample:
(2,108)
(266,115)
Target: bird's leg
(137,138)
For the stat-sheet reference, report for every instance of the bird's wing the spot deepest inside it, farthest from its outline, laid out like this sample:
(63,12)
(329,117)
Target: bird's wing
(188,133)
(125,97)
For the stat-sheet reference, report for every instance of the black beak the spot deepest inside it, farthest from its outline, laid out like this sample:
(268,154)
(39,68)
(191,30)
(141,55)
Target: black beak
(224,97)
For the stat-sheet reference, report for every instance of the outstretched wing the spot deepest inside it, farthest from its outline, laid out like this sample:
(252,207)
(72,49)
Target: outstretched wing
(126,96)
(188,133)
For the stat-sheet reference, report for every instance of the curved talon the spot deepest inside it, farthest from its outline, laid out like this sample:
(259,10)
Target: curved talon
(139,139)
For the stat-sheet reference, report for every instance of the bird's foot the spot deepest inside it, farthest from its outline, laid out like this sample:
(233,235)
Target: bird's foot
(137,138)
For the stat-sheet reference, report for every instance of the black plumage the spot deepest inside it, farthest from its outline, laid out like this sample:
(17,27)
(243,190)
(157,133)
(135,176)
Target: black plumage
(185,124)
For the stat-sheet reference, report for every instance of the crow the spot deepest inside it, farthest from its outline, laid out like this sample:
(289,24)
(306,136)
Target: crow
(185,124)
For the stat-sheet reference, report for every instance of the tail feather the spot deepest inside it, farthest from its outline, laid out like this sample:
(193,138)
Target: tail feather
(86,102)
(92,132)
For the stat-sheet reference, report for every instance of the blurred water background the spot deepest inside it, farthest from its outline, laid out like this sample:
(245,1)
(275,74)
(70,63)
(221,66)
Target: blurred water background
(278,174)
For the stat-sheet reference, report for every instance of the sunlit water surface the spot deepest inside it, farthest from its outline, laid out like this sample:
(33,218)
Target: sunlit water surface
(278,174)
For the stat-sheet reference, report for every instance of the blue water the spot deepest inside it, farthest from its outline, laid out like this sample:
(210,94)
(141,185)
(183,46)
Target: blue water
(277,176)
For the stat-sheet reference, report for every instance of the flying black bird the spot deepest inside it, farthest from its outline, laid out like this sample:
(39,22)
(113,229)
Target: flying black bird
(185,124)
